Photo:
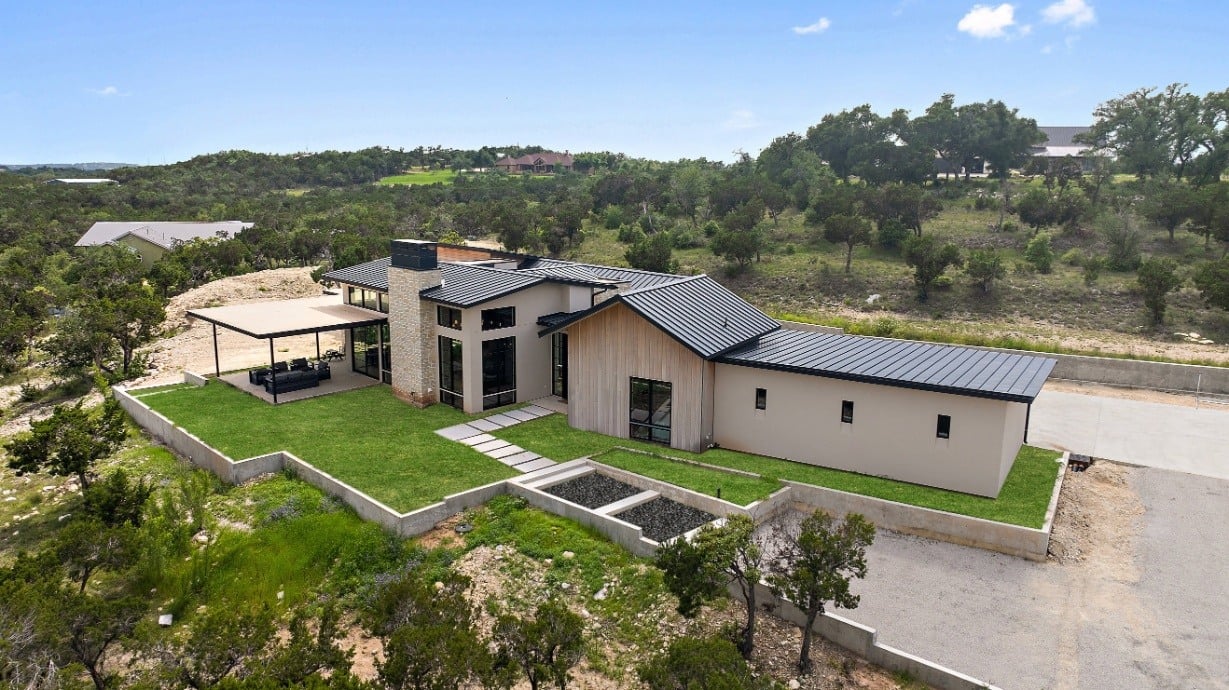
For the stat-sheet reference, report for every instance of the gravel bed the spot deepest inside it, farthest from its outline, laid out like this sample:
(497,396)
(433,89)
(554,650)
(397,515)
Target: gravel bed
(662,518)
(593,490)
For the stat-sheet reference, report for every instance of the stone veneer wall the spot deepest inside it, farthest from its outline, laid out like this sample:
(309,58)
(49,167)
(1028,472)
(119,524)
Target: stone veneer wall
(411,324)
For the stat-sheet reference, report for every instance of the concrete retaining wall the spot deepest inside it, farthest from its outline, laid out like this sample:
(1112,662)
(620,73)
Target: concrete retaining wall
(194,378)
(622,533)
(704,502)
(861,640)
(934,524)
(1135,373)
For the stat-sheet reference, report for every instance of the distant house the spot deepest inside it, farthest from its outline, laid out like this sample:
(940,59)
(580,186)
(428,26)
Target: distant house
(1060,143)
(152,240)
(545,162)
(81,180)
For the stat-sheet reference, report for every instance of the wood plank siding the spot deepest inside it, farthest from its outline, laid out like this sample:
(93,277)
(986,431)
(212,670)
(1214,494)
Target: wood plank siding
(609,348)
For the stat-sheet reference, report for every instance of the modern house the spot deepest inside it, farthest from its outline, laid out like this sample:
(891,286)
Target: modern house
(682,361)
(538,163)
(1060,144)
(153,239)
(81,181)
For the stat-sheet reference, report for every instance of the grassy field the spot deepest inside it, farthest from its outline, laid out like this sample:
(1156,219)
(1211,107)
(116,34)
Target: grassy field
(420,177)
(1022,501)
(735,488)
(366,438)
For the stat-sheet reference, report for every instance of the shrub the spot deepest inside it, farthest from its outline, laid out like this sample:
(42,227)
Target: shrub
(1009,226)
(1092,269)
(630,234)
(1073,257)
(1039,253)
(984,202)
(1123,238)
(613,217)
(891,234)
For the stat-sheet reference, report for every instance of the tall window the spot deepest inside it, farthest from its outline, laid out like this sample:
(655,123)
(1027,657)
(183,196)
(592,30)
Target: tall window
(365,350)
(559,365)
(451,379)
(448,317)
(847,411)
(498,372)
(761,398)
(650,411)
(386,360)
(944,428)
(502,317)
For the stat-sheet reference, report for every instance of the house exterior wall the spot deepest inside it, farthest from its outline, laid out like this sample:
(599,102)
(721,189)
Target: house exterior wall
(149,252)
(892,434)
(411,323)
(609,348)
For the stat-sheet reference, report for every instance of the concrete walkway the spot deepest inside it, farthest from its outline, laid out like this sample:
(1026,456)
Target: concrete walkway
(1169,437)
(475,433)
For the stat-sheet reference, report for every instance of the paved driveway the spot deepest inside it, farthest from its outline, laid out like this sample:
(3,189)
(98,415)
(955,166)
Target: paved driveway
(1157,623)
(1140,433)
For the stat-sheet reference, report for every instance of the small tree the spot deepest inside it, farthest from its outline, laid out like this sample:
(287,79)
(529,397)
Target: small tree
(546,647)
(984,267)
(850,231)
(929,260)
(70,441)
(653,254)
(116,500)
(817,567)
(1039,253)
(1123,238)
(1157,278)
(710,662)
(1092,269)
(86,546)
(737,246)
(88,627)
(1212,279)
(428,632)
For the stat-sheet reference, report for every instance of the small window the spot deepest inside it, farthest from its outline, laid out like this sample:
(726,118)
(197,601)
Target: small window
(502,317)
(944,429)
(448,317)
(383,303)
(761,399)
(847,412)
(354,296)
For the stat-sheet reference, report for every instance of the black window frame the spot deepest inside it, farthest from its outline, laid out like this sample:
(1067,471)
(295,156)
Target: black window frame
(646,429)
(496,318)
(454,376)
(448,317)
(846,412)
(498,372)
(943,426)
(761,398)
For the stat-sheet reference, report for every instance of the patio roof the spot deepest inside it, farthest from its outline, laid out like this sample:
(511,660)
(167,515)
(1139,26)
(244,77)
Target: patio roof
(281,318)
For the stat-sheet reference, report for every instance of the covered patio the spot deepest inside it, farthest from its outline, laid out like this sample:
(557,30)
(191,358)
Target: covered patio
(329,372)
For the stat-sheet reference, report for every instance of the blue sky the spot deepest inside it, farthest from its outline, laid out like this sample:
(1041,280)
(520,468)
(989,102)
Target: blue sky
(154,82)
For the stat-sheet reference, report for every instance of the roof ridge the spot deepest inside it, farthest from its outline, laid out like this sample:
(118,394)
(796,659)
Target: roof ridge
(628,269)
(681,280)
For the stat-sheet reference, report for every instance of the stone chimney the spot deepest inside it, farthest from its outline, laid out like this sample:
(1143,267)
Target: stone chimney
(411,321)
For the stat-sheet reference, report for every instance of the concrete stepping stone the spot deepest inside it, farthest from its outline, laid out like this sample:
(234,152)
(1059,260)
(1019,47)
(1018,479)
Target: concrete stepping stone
(519,458)
(502,420)
(491,445)
(571,473)
(535,465)
(484,425)
(520,415)
(458,432)
(536,411)
(503,451)
(475,440)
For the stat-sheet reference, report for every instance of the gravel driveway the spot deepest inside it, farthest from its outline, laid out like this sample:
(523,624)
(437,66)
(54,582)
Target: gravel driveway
(1146,608)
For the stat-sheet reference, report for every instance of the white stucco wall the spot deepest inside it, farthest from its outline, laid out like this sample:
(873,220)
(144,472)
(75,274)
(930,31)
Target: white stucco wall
(892,434)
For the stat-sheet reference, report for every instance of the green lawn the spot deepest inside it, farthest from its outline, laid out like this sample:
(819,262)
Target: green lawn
(1022,501)
(735,488)
(424,177)
(366,438)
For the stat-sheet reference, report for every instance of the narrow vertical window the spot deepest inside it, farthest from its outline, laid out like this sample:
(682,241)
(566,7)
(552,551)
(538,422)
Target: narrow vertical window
(944,428)
(761,398)
(847,412)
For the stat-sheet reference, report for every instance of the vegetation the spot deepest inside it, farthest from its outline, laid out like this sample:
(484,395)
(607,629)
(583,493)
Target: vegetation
(735,488)
(711,662)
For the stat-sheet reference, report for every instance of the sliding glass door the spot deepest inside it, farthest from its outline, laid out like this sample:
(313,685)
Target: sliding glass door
(498,372)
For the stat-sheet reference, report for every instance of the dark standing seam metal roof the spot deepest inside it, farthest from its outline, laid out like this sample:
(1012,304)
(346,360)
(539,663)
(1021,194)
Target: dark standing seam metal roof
(636,279)
(467,286)
(549,320)
(698,312)
(373,274)
(908,364)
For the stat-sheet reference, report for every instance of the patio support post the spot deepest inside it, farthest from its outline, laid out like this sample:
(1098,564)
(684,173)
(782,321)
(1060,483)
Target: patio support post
(317,346)
(272,372)
(217,368)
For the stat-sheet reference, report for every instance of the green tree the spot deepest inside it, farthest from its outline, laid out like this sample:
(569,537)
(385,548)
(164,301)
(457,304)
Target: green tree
(710,663)
(310,653)
(1167,205)
(87,627)
(546,647)
(222,642)
(652,253)
(1157,278)
(929,260)
(1151,132)
(428,632)
(86,546)
(1212,279)
(737,246)
(70,441)
(513,221)
(850,231)
(1035,209)
(817,566)
(840,139)
(984,267)
(1123,239)
(1039,253)
(116,500)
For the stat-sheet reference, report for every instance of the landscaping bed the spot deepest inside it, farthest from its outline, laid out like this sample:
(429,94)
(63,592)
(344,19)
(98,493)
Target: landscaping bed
(593,490)
(738,489)
(661,518)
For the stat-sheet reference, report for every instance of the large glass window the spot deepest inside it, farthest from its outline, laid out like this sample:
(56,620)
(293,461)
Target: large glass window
(559,365)
(503,317)
(448,317)
(367,299)
(386,364)
(650,411)
(365,350)
(384,302)
(451,379)
(498,372)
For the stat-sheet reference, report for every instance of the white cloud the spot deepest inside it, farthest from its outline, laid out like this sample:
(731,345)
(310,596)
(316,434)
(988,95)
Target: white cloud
(984,21)
(1073,13)
(817,28)
(105,91)
(741,119)
(1046,50)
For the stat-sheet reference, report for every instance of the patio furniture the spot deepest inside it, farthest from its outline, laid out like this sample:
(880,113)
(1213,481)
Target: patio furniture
(257,377)
(322,371)
(291,381)
(299,364)
(279,367)
(332,355)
